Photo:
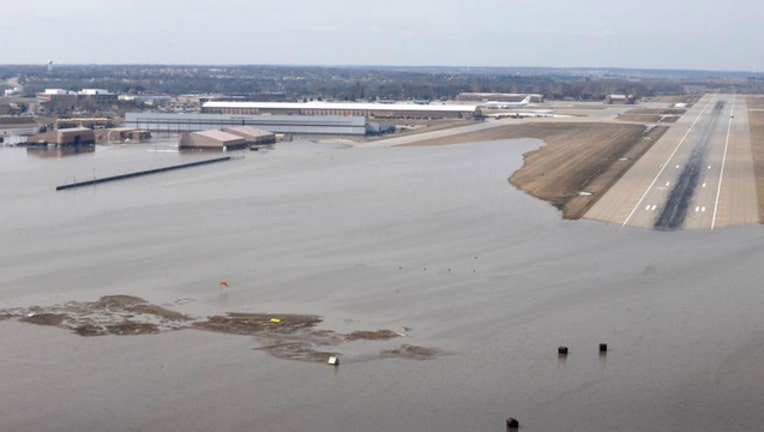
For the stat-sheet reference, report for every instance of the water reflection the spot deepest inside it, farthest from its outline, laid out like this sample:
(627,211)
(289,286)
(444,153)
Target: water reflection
(59,152)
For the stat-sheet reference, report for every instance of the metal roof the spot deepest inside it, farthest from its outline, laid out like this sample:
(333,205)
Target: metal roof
(218,135)
(248,130)
(74,129)
(341,106)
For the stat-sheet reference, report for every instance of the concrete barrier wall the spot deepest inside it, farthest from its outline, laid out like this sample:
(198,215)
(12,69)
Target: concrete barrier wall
(141,173)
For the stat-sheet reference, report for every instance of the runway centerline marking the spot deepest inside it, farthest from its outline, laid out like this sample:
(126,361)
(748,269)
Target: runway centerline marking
(721,172)
(663,168)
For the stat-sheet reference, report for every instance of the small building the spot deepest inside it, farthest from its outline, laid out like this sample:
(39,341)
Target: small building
(68,96)
(14,91)
(146,99)
(58,92)
(212,140)
(64,137)
(253,136)
(122,134)
(620,99)
(60,95)
(98,95)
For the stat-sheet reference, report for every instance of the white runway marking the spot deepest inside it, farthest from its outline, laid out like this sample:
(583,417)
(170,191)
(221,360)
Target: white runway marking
(697,209)
(677,166)
(663,168)
(721,172)
(653,207)
(703,209)
(647,207)
(704,185)
(668,183)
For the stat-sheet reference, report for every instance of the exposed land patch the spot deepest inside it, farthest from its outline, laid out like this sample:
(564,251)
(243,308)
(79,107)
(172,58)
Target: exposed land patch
(579,162)
(284,336)
(413,352)
(756,123)
(116,315)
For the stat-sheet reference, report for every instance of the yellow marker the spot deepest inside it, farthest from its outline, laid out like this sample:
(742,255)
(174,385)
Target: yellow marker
(275,320)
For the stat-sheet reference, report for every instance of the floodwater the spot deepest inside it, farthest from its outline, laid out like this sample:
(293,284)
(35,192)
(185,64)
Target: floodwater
(430,238)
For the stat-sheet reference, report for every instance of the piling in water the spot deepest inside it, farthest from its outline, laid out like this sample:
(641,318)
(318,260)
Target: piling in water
(512,424)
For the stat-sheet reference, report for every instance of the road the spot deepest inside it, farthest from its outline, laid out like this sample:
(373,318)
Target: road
(699,175)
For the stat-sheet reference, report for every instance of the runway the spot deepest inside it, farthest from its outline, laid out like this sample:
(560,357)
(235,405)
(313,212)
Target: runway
(699,175)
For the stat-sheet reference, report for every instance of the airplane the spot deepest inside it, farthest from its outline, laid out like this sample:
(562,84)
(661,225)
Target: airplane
(497,105)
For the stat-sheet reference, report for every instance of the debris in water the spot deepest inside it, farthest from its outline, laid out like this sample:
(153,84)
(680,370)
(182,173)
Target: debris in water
(412,352)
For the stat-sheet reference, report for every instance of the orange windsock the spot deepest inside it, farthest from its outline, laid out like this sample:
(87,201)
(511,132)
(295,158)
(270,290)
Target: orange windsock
(224,284)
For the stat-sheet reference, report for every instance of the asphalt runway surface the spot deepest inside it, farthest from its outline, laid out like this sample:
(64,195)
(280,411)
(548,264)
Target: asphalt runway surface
(699,175)
(674,211)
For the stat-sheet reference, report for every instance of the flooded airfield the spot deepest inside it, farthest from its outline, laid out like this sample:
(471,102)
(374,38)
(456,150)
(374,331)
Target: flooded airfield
(429,241)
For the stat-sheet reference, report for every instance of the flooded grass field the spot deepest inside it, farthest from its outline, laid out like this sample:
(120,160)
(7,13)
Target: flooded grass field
(444,290)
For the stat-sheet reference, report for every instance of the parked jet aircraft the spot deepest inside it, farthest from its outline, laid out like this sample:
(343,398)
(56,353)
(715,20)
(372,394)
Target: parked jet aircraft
(496,104)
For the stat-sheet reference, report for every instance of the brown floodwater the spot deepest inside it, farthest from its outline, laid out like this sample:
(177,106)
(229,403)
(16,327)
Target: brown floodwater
(431,242)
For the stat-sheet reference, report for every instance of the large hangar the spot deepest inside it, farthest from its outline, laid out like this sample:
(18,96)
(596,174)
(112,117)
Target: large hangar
(376,110)
(212,140)
(286,124)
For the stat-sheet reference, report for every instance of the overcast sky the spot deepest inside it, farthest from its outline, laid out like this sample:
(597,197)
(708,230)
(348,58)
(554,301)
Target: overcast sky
(667,34)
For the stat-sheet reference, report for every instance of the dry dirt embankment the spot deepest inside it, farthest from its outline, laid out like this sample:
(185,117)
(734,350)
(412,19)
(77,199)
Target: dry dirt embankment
(652,115)
(756,123)
(578,157)
(689,99)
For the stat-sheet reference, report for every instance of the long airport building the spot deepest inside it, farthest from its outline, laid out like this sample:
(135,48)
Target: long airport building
(498,97)
(375,110)
(286,124)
